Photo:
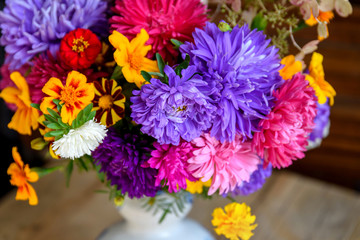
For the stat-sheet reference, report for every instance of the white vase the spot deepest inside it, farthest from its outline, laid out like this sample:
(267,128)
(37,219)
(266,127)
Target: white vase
(140,224)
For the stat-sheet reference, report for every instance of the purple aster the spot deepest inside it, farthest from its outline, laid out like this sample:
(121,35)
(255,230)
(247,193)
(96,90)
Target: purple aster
(257,180)
(321,121)
(241,72)
(30,27)
(173,111)
(120,157)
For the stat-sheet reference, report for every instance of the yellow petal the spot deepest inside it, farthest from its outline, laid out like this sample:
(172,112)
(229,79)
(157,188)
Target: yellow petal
(46,103)
(10,95)
(117,39)
(53,87)
(33,199)
(75,79)
(138,43)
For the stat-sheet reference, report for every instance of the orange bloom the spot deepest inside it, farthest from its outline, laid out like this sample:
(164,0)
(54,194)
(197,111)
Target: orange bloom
(75,95)
(323,17)
(20,176)
(25,116)
(291,67)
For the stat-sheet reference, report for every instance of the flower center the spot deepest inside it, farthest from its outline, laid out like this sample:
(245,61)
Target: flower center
(19,179)
(105,102)
(79,45)
(68,95)
(136,61)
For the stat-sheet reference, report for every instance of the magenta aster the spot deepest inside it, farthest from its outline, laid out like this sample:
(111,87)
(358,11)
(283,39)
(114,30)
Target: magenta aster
(284,133)
(162,19)
(172,164)
(45,67)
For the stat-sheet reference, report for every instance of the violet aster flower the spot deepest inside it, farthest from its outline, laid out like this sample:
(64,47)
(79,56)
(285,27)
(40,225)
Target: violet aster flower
(321,121)
(257,180)
(241,72)
(30,27)
(174,111)
(120,157)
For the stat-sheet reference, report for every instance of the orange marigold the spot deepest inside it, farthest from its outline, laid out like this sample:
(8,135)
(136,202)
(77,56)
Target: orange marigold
(21,175)
(75,95)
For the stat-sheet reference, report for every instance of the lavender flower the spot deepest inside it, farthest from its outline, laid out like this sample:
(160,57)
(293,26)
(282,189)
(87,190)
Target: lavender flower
(30,27)
(174,111)
(120,157)
(241,72)
(257,180)
(321,121)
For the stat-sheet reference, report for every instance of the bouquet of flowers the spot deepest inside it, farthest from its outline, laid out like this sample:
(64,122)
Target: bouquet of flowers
(159,96)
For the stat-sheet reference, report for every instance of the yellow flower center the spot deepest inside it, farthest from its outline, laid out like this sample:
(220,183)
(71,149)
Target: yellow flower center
(79,45)
(105,102)
(68,95)
(136,61)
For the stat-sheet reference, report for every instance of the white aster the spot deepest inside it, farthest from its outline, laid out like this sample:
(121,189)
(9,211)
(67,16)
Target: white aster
(80,141)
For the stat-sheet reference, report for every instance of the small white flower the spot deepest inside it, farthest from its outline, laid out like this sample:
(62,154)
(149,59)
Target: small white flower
(80,141)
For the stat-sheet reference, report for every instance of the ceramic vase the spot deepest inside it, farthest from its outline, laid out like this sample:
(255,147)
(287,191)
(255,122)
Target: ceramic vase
(141,223)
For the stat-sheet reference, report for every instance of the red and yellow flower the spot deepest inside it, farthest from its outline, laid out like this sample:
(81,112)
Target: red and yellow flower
(25,116)
(131,56)
(79,48)
(21,175)
(109,102)
(74,96)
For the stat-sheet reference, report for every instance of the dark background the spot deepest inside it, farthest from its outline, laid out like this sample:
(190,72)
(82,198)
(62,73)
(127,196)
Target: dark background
(336,161)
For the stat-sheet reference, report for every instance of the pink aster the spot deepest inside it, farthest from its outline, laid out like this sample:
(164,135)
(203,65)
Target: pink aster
(284,133)
(172,164)
(45,67)
(162,19)
(228,163)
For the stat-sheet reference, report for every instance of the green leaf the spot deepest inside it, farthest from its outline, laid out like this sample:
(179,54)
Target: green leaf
(38,144)
(146,75)
(57,133)
(56,101)
(87,109)
(45,171)
(53,113)
(183,65)
(82,164)
(68,172)
(161,63)
(259,22)
(63,125)
(156,74)
(36,106)
(80,116)
(54,126)
(50,118)
(300,26)
(166,211)
(117,74)
(91,116)
(48,134)
(176,43)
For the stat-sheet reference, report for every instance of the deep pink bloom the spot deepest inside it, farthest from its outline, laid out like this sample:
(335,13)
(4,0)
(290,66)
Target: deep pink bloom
(45,67)
(172,164)
(162,19)
(228,163)
(284,133)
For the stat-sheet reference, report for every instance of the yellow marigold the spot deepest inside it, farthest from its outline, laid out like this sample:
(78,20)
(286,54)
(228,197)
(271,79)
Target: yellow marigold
(131,56)
(197,187)
(21,176)
(75,95)
(25,116)
(291,67)
(316,78)
(235,223)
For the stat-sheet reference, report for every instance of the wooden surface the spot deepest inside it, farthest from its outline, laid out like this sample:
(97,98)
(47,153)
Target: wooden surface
(289,207)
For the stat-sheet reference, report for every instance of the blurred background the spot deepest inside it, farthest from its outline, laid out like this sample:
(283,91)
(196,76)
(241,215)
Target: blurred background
(337,160)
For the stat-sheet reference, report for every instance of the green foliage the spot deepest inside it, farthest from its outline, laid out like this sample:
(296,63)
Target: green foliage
(173,203)
(176,43)
(45,171)
(117,74)
(68,172)
(182,65)
(259,22)
(146,75)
